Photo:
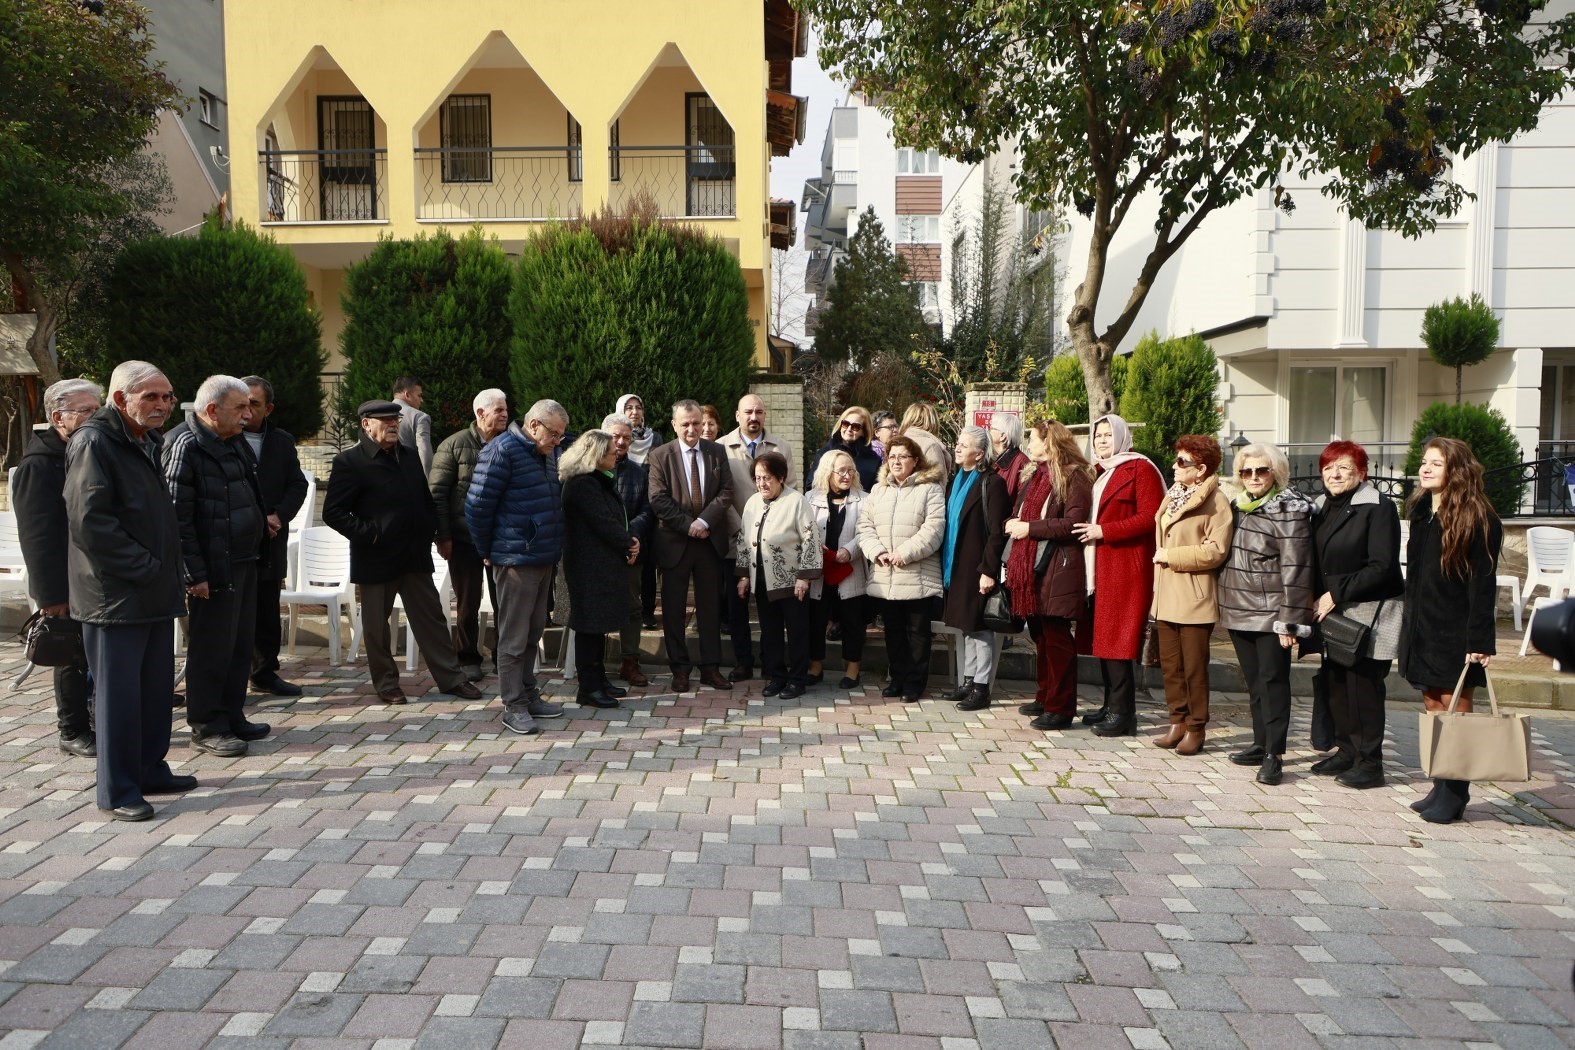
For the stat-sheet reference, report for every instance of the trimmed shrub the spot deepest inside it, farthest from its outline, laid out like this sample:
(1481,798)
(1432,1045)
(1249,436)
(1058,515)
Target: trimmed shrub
(1170,388)
(228,300)
(435,308)
(1491,440)
(1066,393)
(1459,332)
(617,304)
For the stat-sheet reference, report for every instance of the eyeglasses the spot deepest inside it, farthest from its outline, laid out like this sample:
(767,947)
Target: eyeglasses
(554,435)
(78,411)
(885,426)
(1184,462)
(1255,472)
(843,472)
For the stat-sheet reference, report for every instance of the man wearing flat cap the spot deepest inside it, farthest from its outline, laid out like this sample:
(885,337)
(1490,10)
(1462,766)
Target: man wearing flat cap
(378,499)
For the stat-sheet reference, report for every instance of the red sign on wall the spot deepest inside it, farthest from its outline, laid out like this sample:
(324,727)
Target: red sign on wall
(986,410)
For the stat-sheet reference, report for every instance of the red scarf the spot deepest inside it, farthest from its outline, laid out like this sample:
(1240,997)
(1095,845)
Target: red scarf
(1020,566)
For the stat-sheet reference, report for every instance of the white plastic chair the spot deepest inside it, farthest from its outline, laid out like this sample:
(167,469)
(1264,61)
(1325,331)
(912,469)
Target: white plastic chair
(445,590)
(13,570)
(298,524)
(953,639)
(1550,561)
(1513,583)
(323,578)
(487,612)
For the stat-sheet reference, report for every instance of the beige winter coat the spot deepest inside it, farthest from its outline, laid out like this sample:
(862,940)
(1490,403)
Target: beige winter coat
(910,521)
(1195,541)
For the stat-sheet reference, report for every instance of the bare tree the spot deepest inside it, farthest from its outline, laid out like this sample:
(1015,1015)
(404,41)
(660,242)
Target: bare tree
(789,301)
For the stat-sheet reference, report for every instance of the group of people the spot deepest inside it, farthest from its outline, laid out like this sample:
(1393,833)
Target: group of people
(125,529)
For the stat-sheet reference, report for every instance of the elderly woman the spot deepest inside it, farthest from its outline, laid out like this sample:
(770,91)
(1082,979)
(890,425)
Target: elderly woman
(852,434)
(1006,439)
(1266,595)
(710,422)
(598,549)
(1118,549)
(885,430)
(1356,535)
(840,593)
(976,511)
(1451,592)
(779,557)
(1044,569)
(900,531)
(922,423)
(1191,538)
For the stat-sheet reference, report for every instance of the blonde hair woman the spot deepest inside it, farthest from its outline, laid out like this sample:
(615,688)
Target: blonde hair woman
(922,424)
(598,549)
(836,502)
(853,433)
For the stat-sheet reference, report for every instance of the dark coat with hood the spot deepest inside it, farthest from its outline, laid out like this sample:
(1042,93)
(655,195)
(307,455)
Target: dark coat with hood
(38,495)
(378,499)
(125,560)
(865,461)
(283,489)
(981,538)
(595,565)
(1063,587)
(213,482)
(1447,616)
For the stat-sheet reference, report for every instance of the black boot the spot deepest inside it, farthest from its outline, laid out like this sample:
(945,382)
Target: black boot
(978,697)
(1120,718)
(1426,800)
(1450,805)
(1093,718)
(959,694)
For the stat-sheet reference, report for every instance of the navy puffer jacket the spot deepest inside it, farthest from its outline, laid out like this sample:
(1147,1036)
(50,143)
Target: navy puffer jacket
(514,507)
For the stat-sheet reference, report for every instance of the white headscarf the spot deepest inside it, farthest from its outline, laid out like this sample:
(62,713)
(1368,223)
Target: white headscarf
(643,437)
(1106,467)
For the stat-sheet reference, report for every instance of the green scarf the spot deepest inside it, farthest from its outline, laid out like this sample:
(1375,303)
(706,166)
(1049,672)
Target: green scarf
(1246,504)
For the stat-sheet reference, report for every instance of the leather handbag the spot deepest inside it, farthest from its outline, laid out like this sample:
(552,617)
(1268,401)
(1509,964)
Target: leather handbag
(833,571)
(1343,638)
(996,615)
(52,641)
(1475,745)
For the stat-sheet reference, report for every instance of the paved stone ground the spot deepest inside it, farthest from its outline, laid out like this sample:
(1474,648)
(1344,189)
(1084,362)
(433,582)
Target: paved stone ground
(725,871)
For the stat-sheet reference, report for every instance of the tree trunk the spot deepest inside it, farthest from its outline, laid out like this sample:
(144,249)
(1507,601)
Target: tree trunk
(1458,371)
(38,342)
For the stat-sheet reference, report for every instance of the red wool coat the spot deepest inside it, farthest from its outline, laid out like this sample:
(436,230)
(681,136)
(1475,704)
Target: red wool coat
(1124,563)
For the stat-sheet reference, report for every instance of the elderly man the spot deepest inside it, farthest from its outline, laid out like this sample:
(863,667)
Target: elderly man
(453,465)
(742,445)
(378,499)
(38,495)
(415,426)
(283,489)
(629,479)
(515,516)
(213,480)
(125,580)
(691,489)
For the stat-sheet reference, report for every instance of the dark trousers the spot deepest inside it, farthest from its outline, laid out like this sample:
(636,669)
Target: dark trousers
(1055,653)
(266,630)
(133,669)
(851,613)
(590,651)
(1120,684)
(1356,704)
(467,574)
(629,635)
(699,564)
(648,588)
(427,621)
(222,632)
(1266,666)
(908,641)
(72,714)
(788,616)
(738,626)
(1184,662)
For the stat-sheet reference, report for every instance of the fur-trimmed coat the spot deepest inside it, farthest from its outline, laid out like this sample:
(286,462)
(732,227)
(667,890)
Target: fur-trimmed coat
(783,535)
(908,520)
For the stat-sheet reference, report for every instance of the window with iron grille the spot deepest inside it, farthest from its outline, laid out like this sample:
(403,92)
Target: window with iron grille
(709,137)
(577,151)
(465,126)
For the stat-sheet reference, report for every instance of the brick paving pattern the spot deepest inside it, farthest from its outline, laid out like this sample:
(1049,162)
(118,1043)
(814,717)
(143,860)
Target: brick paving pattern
(714,870)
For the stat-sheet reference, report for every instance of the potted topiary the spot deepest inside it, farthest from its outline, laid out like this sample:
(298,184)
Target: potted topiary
(1459,332)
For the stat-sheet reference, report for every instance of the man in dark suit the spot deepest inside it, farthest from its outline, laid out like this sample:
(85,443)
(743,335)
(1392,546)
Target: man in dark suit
(378,499)
(283,488)
(691,490)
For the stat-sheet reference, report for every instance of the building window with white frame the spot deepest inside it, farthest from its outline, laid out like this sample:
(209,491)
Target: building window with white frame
(208,108)
(918,229)
(918,161)
(1348,401)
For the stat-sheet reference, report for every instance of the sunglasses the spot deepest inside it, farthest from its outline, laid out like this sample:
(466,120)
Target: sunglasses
(1255,472)
(848,424)
(1184,462)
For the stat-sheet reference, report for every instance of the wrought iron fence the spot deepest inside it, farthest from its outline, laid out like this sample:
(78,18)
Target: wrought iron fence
(686,181)
(1383,457)
(501,182)
(333,185)
(1545,489)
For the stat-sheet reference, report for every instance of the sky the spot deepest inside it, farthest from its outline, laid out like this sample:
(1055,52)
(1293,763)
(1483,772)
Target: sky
(811,82)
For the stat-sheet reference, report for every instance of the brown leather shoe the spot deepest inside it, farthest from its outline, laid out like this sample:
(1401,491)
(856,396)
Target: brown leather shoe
(391,696)
(465,691)
(680,681)
(713,679)
(1191,743)
(629,671)
(1172,736)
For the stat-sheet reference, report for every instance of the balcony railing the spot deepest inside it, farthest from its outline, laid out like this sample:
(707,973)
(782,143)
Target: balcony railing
(503,182)
(686,181)
(337,185)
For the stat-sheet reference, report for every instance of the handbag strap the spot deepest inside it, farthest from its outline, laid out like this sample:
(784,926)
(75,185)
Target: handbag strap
(1455,696)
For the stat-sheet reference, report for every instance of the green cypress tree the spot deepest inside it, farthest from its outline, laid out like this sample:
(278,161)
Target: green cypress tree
(1171,389)
(435,308)
(227,301)
(1491,439)
(870,308)
(618,304)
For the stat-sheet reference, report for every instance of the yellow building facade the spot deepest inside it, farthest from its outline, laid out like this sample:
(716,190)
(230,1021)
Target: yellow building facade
(353,120)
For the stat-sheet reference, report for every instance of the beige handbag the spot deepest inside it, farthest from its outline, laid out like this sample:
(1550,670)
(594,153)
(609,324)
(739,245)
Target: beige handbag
(1475,746)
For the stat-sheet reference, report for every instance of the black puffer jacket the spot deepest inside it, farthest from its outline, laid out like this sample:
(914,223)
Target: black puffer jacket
(213,482)
(38,494)
(1267,581)
(125,541)
(453,465)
